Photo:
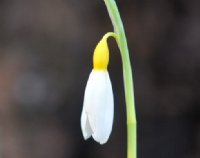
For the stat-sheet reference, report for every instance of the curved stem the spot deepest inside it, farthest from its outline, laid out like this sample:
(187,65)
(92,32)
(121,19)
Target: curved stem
(127,75)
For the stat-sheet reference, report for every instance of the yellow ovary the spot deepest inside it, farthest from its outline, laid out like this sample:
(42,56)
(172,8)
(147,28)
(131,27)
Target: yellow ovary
(101,55)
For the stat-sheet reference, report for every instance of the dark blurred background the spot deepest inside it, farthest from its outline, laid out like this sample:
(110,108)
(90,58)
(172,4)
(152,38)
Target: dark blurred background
(46,49)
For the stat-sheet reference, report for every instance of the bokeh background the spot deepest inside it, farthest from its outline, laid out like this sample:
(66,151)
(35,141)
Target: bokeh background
(46,51)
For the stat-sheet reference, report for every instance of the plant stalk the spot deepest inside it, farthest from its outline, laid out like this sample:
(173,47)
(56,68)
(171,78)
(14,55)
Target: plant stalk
(127,75)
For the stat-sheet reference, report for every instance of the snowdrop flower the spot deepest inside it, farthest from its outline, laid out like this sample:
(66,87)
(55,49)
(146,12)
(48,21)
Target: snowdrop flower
(98,104)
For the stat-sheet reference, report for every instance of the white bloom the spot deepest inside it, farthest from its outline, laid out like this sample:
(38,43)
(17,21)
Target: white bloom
(98,107)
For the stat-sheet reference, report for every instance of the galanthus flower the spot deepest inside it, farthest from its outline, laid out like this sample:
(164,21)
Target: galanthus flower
(98,105)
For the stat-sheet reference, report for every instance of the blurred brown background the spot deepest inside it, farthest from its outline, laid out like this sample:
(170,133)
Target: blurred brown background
(46,49)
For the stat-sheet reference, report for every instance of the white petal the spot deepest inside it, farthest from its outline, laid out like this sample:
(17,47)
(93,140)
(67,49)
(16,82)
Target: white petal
(99,105)
(85,126)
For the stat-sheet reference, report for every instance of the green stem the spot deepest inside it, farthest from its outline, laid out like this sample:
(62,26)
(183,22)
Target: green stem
(127,74)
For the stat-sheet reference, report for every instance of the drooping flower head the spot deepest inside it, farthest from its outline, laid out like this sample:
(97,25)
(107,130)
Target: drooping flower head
(98,105)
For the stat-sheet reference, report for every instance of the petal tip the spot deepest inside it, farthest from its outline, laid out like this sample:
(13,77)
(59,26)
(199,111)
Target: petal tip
(85,126)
